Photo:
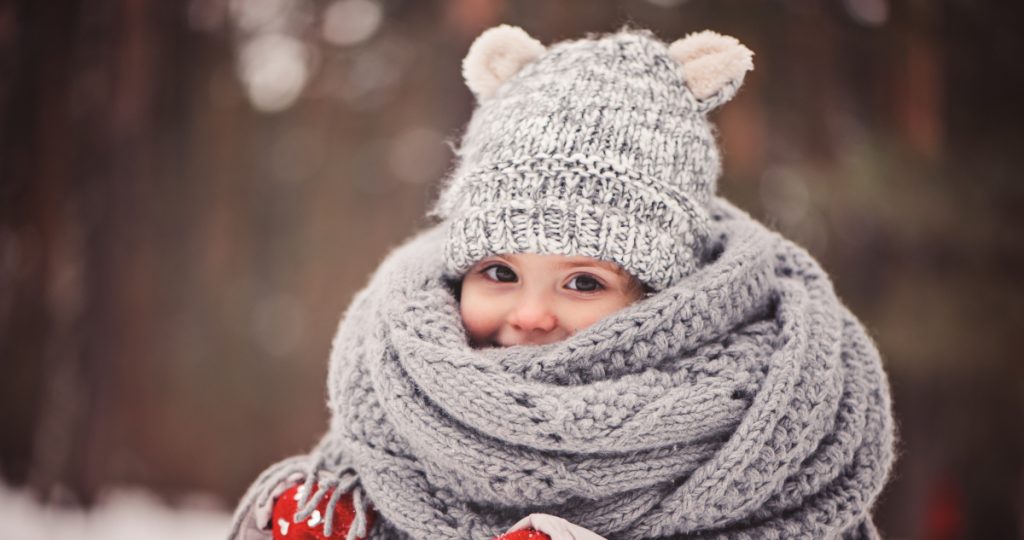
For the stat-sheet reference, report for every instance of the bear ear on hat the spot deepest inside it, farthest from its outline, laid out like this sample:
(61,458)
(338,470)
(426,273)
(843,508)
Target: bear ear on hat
(713,65)
(495,56)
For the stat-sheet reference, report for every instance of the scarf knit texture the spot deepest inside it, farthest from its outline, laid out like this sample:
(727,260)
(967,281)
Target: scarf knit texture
(745,401)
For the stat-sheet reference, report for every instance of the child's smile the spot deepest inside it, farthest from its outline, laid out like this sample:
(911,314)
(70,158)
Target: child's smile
(529,299)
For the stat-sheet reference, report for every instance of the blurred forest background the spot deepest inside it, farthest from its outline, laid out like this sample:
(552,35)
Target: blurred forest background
(191,193)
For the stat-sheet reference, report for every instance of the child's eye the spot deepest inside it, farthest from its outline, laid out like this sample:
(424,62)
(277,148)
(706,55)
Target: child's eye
(584,283)
(500,273)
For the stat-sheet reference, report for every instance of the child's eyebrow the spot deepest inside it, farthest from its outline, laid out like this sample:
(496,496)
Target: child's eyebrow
(607,265)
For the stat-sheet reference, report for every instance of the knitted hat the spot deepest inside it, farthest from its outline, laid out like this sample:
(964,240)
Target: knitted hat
(597,147)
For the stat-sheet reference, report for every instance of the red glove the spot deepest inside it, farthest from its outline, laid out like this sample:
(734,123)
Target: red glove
(524,534)
(313,526)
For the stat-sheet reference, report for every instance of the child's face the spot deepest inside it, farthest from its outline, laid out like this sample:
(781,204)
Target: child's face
(528,299)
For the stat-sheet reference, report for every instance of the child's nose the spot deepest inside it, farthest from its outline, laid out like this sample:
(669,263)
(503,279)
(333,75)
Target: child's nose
(533,313)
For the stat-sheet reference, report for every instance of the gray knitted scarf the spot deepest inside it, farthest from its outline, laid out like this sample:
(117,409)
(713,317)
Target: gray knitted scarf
(744,402)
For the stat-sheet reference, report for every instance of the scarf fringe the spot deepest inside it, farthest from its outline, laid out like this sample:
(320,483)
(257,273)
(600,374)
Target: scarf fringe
(258,502)
(342,482)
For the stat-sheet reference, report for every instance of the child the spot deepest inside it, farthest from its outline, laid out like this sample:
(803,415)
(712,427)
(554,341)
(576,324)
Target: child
(591,344)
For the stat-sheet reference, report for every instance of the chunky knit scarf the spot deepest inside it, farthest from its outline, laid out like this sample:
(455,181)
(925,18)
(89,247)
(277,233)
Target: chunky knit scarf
(744,402)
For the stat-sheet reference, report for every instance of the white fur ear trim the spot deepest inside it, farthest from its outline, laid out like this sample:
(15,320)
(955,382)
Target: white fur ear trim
(710,61)
(495,56)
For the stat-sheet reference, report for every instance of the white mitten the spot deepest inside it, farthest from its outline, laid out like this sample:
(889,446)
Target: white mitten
(555,527)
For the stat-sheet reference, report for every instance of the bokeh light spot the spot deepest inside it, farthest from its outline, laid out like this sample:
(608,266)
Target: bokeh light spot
(274,69)
(347,22)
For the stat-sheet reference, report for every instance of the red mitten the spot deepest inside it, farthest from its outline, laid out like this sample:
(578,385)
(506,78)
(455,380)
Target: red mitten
(524,534)
(312,528)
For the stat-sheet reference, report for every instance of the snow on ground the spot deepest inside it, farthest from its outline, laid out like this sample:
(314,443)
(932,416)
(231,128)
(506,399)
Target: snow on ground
(127,514)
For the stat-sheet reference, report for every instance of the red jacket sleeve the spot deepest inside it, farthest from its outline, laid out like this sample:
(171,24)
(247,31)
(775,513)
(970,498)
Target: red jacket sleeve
(524,534)
(344,513)
(312,528)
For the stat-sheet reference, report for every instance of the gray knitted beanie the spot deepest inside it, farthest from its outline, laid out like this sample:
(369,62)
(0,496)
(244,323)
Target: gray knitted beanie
(597,147)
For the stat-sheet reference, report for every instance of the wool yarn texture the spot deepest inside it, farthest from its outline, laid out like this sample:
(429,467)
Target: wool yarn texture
(745,401)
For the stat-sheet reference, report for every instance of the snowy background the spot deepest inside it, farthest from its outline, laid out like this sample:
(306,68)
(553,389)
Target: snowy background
(192,191)
(129,514)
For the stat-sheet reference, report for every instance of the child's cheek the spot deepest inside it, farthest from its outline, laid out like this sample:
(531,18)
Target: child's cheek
(581,315)
(479,317)
(580,319)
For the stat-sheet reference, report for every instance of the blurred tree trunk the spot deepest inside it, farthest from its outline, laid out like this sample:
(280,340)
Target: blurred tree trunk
(78,172)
